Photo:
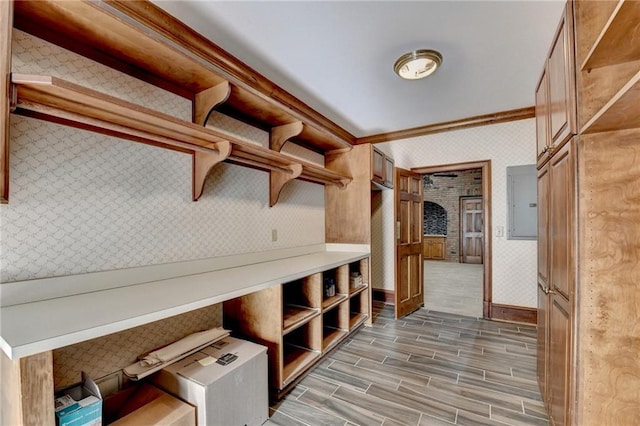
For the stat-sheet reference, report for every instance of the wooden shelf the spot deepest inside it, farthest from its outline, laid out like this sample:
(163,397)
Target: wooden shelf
(331,337)
(295,316)
(618,40)
(155,47)
(357,290)
(355,319)
(621,112)
(331,302)
(56,100)
(296,360)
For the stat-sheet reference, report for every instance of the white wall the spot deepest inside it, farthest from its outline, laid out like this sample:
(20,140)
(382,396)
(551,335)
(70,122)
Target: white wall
(83,202)
(505,144)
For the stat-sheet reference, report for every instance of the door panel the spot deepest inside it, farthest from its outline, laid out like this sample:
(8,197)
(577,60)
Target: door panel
(560,354)
(561,221)
(543,226)
(542,341)
(409,210)
(472,229)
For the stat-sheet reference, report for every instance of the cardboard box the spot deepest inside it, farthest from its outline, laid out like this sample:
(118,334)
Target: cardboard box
(235,393)
(79,405)
(148,405)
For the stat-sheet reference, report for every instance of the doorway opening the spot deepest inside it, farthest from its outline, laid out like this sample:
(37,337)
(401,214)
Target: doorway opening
(457,238)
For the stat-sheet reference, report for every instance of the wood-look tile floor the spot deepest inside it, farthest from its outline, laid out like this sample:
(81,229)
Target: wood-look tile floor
(429,368)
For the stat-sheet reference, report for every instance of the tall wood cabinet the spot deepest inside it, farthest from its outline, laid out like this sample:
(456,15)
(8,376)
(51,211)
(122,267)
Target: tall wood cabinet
(556,128)
(555,94)
(589,224)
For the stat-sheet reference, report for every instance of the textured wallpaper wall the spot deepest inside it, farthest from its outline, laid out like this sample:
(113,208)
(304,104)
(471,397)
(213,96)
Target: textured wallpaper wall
(84,202)
(505,144)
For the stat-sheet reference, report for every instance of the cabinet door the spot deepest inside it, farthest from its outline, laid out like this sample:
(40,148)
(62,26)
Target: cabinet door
(543,226)
(542,343)
(388,172)
(426,248)
(562,102)
(437,249)
(377,166)
(542,115)
(559,367)
(562,220)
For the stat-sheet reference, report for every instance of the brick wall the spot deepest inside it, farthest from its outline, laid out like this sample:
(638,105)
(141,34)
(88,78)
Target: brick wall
(445,189)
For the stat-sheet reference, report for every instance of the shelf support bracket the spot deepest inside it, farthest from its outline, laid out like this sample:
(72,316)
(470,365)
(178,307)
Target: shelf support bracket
(277,181)
(281,134)
(342,183)
(204,102)
(203,162)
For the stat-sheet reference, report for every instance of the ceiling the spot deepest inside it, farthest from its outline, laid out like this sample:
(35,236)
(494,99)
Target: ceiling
(338,56)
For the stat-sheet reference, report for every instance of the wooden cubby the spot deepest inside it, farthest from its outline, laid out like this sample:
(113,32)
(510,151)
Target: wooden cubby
(335,325)
(187,65)
(300,302)
(297,322)
(610,65)
(300,349)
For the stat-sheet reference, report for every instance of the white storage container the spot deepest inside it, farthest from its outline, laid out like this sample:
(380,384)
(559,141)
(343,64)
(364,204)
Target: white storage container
(235,394)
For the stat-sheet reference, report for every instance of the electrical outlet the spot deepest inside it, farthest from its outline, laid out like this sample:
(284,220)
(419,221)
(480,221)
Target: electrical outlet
(274,235)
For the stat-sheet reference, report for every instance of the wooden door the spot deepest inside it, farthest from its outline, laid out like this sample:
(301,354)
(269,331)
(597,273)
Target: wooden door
(543,227)
(542,115)
(562,122)
(471,224)
(561,282)
(409,211)
(543,281)
(542,344)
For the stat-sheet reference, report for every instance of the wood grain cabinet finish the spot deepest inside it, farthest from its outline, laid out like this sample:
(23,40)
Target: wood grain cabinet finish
(303,320)
(556,280)
(433,248)
(556,91)
(589,222)
(381,168)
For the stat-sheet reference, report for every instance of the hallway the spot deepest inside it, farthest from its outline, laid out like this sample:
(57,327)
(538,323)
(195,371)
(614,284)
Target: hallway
(455,288)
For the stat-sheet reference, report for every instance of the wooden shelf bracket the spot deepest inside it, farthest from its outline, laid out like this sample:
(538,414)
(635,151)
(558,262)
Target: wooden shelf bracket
(281,134)
(203,162)
(278,179)
(204,102)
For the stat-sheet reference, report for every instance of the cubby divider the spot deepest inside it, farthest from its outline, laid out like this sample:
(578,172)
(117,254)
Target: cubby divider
(299,321)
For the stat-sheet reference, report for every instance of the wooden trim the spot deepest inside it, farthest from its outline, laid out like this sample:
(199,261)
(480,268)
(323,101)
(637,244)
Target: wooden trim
(238,72)
(382,295)
(6,26)
(447,126)
(514,313)
(27,390)
(485,166)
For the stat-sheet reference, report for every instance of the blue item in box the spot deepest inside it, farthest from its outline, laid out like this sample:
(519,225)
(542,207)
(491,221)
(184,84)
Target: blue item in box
(79,405)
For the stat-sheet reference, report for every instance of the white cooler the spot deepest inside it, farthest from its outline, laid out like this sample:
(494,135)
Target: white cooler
(235,394)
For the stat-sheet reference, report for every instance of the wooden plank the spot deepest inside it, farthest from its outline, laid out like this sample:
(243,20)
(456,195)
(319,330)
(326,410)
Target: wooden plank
(619,40)
(609,230)
(621,112)
(89,24)
(241,75)
(447,126)
(27,390)
(6,26)
(514,313)
(348,211)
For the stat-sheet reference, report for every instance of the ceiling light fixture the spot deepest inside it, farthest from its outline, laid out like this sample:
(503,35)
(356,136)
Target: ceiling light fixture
(417,64)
